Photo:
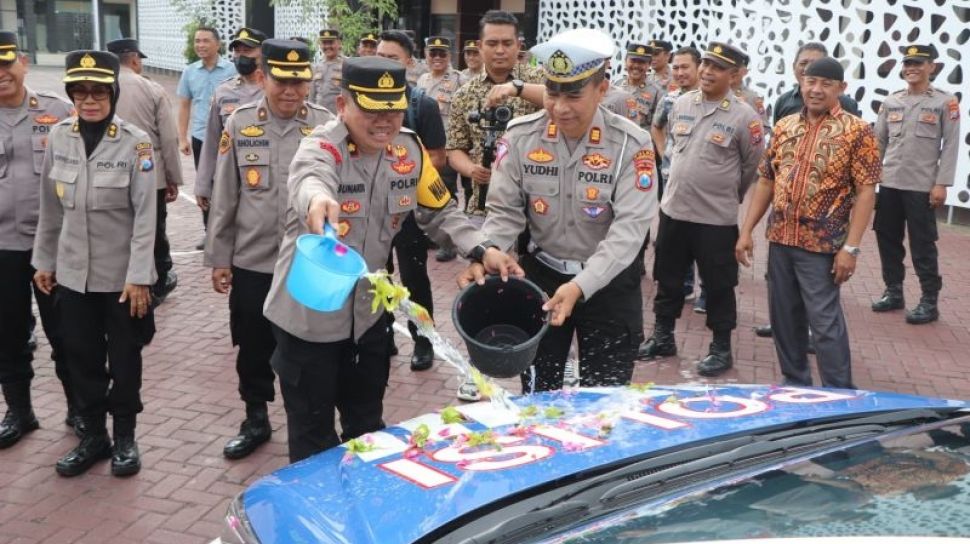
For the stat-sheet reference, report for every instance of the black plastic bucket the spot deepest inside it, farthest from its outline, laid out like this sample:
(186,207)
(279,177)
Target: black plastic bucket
(501,324)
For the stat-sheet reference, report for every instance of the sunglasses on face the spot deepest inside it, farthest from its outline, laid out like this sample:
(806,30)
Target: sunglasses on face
(80,94)
(440,53)
(913,62)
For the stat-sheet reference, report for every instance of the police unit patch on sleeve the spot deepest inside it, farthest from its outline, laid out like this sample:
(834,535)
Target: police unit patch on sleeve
(225,143)
(145,162)
(756,131)
(643,165)
(954,109)
(501,150)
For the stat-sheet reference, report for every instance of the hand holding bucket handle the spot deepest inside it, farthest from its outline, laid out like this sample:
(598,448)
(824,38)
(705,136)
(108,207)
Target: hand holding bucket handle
(494,262)
(323,210)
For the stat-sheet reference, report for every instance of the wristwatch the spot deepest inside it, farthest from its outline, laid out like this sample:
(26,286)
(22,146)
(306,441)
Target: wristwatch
(851,250)
(478,252)
(519,85)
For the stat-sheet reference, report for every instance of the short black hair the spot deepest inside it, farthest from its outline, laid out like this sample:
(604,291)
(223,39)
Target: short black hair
(692,51)
(400,38)
(497,17)
(215,33)
(811,46)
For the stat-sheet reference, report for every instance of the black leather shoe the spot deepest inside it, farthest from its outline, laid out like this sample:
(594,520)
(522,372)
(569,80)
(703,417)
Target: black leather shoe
(253,432)
(162,291)
(125,460)
(423,356)
(892,299)
(925,312)
(32,341)
(661,344)
(15,425)
(93,448)
(763,331)
(201,245)
(718,361)
(444,255)
(74,421)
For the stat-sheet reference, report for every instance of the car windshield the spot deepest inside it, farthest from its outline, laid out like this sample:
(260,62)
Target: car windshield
(915,484)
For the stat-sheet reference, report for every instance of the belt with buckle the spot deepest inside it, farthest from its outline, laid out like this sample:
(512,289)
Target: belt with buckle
(563,266)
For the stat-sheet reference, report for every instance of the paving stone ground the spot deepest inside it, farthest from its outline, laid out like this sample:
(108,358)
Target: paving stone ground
(192,407)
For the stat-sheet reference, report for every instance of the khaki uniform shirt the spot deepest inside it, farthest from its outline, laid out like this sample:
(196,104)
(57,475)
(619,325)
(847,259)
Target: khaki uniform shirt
(249,196)
(325,86)
(145,104)
(97,213)
(376,193)
(468,74)
(757,103)
(919,137)
(228,96)
(647,96)
(621,103)
(23,139)
(442,89)
(664,83)
(713,159)
(593,205)
(417,68)
(470,97)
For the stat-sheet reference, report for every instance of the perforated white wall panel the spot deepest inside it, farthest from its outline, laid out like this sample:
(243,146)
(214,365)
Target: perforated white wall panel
(291,21)
(864,34)
(161,34)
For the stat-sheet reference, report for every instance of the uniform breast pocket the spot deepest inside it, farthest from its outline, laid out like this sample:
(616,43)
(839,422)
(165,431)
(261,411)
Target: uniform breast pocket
(352,227)
(254,171)
(111,190)
(65,184)
(928,125)
(717,145)
(681,134)
(399,205)
(594,204)
(39,144)
(895,128)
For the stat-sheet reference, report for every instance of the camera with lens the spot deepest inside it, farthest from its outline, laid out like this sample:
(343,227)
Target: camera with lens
(493,122)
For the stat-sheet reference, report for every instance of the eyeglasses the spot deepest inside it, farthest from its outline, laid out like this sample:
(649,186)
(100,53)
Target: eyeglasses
(913,62)
(80,94)
(438,53)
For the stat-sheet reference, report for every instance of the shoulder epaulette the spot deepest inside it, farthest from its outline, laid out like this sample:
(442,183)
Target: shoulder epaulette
(527,119)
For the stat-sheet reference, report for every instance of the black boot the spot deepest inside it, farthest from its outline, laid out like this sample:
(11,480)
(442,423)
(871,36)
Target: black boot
(125,460)
(661,344)
(763,331)
(423,356)
(20,418)
(924,312)
(718,361)
(95,446)
(892,299)
(254,431)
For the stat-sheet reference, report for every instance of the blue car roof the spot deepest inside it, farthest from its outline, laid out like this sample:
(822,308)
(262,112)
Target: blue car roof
(389,491)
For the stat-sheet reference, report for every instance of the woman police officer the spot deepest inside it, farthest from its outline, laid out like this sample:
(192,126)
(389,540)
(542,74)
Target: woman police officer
(95,241)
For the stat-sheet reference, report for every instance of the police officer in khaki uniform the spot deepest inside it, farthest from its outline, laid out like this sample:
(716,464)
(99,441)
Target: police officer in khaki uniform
(367,45)
(95,241)
(919,136)
(145,104)
(582,180)
(646,93)
(244,88)
(717,143)
(249,199)
(747,94)
(660,74)
(472,54)
(26,119)
(326,74)
(621,103)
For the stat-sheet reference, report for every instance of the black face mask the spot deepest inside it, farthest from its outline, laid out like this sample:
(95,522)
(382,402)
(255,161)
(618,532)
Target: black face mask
(245,65)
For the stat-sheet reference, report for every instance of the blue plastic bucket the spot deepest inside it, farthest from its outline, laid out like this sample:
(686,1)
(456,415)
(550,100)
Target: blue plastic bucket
(324,271)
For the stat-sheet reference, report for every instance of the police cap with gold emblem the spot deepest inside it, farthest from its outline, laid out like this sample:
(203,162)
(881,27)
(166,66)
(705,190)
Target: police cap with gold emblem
(470,45)
(88,65)
(725,55)
(287,59)
(376,83)
(247,36)
(639,51)
(124,45)
(330,34)
(8,46)
(661,45)
(572,57)
(370,37)
(919,52)
(438,42)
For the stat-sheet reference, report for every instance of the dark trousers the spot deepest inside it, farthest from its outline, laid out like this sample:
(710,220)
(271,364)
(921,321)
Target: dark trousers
(16,318)
(196,151)
(163,251)
(411,245)
(608,328)
(252,332)
(466,188)
(897,211)
(102,331)
(679,245)
(316,378)
(802,293)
